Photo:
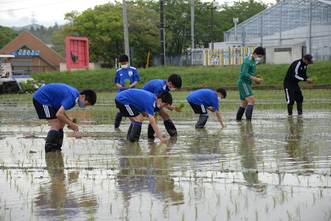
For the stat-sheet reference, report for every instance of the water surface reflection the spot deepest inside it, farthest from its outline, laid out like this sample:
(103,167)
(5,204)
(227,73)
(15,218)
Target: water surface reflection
(56,199)
(146,171)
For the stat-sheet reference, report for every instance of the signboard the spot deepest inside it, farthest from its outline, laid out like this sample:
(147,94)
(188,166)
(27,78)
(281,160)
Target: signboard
(77,53)
(23,52)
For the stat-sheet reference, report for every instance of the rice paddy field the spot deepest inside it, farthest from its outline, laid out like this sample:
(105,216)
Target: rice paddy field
(273,168)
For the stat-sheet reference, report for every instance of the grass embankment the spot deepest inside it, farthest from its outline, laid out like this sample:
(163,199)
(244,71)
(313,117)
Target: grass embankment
(193,77)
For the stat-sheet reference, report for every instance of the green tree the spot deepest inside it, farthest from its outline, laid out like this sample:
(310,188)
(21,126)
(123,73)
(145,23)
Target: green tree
(7,35)
(103,26)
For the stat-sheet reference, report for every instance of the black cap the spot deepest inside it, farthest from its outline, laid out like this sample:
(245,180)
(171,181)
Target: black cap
(309,58)
(123,58)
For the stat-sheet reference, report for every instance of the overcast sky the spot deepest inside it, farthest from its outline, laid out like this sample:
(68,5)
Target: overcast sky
(46,12)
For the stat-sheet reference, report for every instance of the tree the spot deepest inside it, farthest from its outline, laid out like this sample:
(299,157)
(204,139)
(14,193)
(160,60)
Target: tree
(7,35)
(103,26)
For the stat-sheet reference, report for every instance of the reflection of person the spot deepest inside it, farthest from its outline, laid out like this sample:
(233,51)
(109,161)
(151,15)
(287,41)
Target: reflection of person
(247,150)
(51,101)
(294,147)
(249,159)
(126,77)
(156,86)
(206,99)
(205,146)
(55,199)
(296,72)
(135,101)
(247,76)
(148,172)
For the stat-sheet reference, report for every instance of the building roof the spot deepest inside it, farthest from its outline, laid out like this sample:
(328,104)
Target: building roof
(26,39)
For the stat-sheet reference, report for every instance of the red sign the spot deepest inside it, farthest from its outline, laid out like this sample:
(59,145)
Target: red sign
(77,53)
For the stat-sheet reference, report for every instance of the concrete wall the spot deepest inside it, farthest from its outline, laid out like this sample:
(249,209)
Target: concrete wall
(92,66)
(283,54)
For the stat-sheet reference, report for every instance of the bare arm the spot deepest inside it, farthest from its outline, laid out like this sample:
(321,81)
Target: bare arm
(120,86)
(211,109)
(61,116)
(133,84)
(257,80)
(156,129)
(219,116)
(170,107)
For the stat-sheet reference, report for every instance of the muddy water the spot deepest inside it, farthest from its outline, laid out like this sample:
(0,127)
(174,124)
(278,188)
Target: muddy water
(275,168)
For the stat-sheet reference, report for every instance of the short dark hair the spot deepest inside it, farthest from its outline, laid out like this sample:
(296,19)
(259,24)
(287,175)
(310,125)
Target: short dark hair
(123,58)
(259,50)
(222,91)
(90,96)
(176,80)
(165,97)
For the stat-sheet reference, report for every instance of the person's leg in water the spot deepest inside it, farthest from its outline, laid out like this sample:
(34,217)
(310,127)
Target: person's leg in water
(299,99)
(250,106)
(168,123)
(118,120)
(54,138)
(135,128)
(241,110)
(290,99)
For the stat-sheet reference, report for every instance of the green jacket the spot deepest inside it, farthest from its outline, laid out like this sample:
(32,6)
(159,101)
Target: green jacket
(248,68)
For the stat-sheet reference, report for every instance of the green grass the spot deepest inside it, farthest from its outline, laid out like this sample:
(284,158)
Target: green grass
(193,77)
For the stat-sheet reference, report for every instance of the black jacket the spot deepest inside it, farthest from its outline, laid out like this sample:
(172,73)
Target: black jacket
(296,72)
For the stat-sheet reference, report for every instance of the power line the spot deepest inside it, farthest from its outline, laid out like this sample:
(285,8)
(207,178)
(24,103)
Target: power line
(25,8)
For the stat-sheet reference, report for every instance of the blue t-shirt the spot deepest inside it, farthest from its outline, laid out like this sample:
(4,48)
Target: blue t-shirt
(156,86)
(130,73)
(57,95)
(142,100)
(204,97)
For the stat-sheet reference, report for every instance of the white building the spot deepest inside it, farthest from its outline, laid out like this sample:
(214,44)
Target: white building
(290,29)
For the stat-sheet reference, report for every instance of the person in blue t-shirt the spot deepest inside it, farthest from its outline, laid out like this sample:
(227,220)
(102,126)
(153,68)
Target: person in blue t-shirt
(126,77)
(206,99)
(51,101)
(135,101)
(156,86)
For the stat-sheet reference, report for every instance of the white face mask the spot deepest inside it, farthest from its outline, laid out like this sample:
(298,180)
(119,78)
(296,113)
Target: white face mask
(81,104)
(124,66)
(219,99)
(257,59)
(172,89)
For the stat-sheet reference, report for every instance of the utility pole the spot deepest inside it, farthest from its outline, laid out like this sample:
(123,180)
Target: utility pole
(214,6)
(235,21)
(162,35)
(192,30)
(192,25)
(126,30)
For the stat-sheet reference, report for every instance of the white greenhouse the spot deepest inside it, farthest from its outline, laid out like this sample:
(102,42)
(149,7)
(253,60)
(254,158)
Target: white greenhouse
(290,27)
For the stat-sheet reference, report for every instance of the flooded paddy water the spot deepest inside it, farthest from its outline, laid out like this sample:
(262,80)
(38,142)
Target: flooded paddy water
(274,168)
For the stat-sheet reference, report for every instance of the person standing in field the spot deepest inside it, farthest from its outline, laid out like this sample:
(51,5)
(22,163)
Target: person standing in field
(126,77)
(135,101)
(203,100)
(296,72)
(51,101)
(247,76)
(157,86)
